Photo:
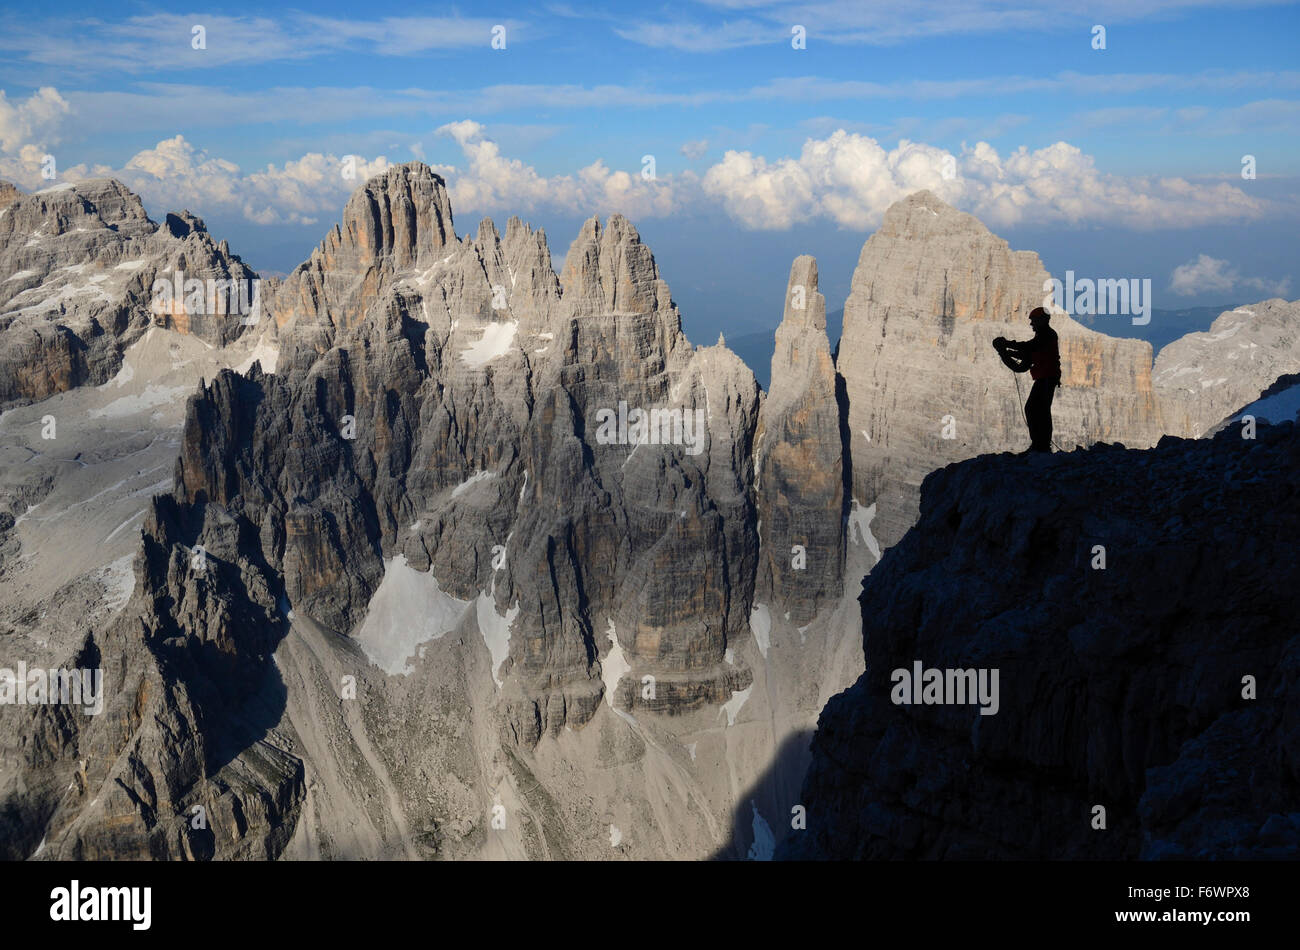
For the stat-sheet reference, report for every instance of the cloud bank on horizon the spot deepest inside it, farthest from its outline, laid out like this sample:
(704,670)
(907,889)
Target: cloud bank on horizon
(763,116)
(847,178)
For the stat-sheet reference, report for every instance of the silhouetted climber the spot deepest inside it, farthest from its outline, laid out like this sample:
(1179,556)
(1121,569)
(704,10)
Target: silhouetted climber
(1042,357)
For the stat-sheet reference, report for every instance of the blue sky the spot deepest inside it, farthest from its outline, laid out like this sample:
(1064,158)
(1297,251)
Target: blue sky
(1117,162)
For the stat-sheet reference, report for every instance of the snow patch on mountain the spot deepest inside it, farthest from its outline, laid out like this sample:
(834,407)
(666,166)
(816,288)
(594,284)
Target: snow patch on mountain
(407,610)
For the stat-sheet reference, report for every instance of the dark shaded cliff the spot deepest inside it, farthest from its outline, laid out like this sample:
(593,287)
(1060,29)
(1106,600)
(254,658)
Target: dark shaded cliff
(1121,687)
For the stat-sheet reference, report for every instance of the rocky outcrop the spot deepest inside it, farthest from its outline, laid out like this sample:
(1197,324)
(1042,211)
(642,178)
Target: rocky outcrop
(573,478)
(464,534)
(932,289)
(1142,665)
(174,753)
(1203,378)
(394,223)
(78,263)
(800,466)
(449,401)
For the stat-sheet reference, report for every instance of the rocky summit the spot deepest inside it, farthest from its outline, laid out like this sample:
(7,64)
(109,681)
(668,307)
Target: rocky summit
(468,534)
(932,289)
(801,471)
(78,266)
(448,554)
(1203,378)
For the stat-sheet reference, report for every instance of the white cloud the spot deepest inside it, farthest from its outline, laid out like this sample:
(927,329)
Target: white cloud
(851,179)
(694,150)
(1202,275)
(884,24)
(846,178)
(174,175)
(492,182)
(1260,114)
(165,41)
(405,36)
(33,122)
(1278,288)
(163,108)
(162,41)
(696,37)
(1208,274)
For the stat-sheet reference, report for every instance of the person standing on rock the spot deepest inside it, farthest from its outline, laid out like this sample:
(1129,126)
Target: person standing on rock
(1041,356)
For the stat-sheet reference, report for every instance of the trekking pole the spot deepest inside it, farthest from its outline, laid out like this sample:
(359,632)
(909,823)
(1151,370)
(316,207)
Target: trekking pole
(1019,398)
(1015,377)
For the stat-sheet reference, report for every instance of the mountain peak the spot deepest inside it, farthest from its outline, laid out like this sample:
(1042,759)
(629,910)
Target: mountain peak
(611,271)
(923,213)
(804,306)
(403,213)
(488,235)
(932,289)
(104,198)
(180,224)
(405,172)
(800,461)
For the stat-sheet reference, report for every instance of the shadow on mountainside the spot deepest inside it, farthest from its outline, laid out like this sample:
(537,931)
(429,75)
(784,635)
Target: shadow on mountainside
(1280,402)
(220,617)
(763,814)
(1137,606)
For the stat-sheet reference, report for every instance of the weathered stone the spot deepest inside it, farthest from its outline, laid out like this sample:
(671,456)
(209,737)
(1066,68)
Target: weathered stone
(1203,378)
(78,265)
(800,468)
(931,291)
(434,450)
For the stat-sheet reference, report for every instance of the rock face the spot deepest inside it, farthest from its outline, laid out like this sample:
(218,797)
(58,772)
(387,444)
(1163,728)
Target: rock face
(393,223)
(469,558)
(801,459)
(179,729)
(444,401)
(1203,378)
(1122,687)
(77,269)
(446,405)
(549,467)
(932,289)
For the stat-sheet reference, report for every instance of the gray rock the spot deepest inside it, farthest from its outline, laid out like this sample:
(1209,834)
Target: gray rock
(463,360)
(800,464)
(77,269)
(1203,378)
(931,291)
(448,415)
